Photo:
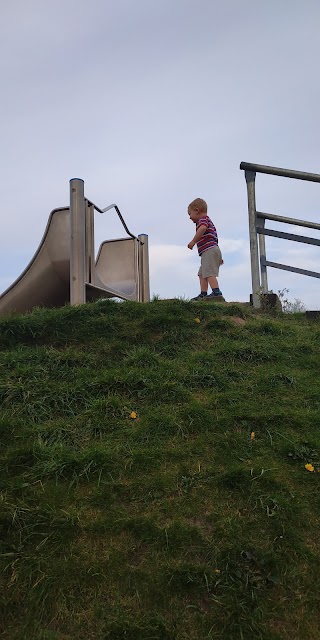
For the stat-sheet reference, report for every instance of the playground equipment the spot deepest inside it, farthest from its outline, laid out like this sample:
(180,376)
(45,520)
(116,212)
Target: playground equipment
(64,269)
(257,230)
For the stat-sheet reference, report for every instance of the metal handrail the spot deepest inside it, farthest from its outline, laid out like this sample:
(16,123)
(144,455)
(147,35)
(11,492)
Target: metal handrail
(257,230)
(114,206)
(276,171)
(294,221)
(287,236)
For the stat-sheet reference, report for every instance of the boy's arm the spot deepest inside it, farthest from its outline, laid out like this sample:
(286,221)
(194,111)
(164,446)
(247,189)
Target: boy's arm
(197,237)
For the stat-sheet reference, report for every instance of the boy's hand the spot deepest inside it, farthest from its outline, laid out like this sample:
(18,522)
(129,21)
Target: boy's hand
(191,244)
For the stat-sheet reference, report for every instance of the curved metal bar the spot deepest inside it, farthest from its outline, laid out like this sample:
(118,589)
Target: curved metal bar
(114,206)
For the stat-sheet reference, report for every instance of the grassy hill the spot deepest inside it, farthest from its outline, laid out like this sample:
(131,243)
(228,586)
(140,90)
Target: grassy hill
(153,482)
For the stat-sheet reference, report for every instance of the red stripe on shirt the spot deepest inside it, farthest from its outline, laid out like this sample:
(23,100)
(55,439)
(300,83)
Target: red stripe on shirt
(210,236)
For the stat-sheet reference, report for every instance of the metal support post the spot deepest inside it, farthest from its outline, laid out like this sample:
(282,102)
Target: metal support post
(77,242)
(144,286)
(254,252)
(90,252)
(262,250)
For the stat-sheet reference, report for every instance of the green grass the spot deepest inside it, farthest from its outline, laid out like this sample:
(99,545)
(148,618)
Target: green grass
(179,524)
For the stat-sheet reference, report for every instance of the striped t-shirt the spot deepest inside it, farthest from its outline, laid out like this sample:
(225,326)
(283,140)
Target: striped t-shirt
(210,236)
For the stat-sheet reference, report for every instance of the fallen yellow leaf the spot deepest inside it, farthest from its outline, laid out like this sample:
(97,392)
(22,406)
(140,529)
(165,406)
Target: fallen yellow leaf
(253,435)
(309,467)
(197,320)
(133,415)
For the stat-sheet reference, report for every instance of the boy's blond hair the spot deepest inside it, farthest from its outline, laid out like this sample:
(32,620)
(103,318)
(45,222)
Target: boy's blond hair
(198,203)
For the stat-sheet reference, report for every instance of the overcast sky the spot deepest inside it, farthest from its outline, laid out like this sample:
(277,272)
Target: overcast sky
(153,103)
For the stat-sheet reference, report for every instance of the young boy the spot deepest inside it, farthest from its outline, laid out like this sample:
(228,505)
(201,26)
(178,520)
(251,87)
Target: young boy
(206,239)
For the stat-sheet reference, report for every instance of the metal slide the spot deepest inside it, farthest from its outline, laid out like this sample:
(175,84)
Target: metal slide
(121,268)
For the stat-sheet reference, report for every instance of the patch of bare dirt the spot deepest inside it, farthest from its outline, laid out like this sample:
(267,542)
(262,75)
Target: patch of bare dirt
(238,321)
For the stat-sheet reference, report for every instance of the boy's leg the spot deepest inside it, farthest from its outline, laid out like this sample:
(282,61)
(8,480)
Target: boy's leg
(216,293)
(203,287)
(211,262)
(213,282)
(203,284)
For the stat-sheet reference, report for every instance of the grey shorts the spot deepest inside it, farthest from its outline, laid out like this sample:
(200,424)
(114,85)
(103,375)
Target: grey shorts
(210,263)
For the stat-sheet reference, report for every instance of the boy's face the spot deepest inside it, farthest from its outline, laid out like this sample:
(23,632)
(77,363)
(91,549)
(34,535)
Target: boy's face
(194,214)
